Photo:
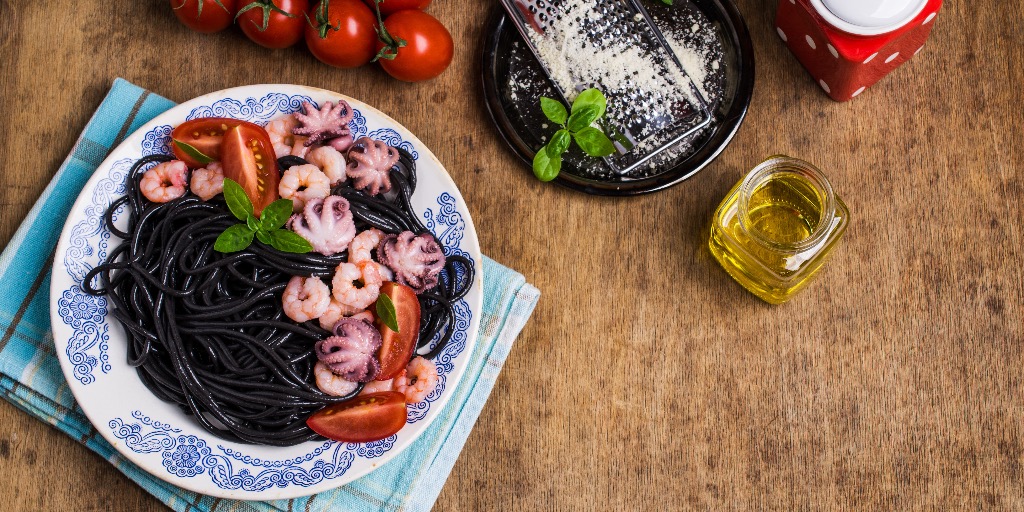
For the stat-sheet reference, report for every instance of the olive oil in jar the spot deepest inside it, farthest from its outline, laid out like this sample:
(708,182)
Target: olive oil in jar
(776,227)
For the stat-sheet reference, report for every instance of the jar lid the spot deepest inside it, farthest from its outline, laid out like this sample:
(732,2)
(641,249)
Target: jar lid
(868,17)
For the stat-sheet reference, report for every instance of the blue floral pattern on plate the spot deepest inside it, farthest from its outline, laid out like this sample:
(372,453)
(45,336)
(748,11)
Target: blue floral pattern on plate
(191,456)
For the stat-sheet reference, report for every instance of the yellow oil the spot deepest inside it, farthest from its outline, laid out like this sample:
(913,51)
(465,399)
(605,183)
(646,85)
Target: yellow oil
(769,253)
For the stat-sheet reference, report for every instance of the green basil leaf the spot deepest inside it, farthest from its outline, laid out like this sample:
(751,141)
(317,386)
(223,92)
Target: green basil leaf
(559,142)
(594,142)
(667,2)
(234,239)
(287,241)
(590,97)
(386,312)
(554,110)
(238,202)
(264,237)
(191,151)
(253,223)
(582,117)
(276,214)
(546,165)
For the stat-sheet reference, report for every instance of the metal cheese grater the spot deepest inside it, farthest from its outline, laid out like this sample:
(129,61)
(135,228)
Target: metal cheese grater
(639,134)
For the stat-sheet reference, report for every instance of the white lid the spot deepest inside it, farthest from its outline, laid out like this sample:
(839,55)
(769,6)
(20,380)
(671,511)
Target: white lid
(868,17)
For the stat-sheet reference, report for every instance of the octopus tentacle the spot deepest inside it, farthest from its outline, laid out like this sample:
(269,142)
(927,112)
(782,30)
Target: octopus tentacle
(349,353)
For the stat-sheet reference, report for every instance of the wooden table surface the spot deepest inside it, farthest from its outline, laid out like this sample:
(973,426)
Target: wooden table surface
(647,378)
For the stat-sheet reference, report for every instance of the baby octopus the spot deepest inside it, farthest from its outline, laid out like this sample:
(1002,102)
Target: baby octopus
(165,181)
(305,298)
(329,122)
(208,182)
(303,183)
(326,224)
(349,353)
(416,260)
(369,165)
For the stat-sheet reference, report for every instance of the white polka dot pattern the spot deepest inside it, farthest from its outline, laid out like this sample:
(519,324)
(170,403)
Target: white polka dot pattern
(929,18)
(782,34)
(892,57)
(824,86)
(811,43)
(858,91)
(871,58)
(833,51)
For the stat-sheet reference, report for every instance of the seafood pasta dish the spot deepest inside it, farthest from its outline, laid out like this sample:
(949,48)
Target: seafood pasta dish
(275,283)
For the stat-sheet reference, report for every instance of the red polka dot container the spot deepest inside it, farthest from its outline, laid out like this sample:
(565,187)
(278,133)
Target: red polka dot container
(848,45)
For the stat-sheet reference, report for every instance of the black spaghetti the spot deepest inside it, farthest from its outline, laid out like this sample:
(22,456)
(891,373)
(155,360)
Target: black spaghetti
(207,331)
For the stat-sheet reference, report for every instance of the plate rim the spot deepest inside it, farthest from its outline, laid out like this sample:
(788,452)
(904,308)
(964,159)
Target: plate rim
(496,25)
(272,493)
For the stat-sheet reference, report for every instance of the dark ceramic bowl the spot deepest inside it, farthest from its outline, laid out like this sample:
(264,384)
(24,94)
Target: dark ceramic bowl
(522,125)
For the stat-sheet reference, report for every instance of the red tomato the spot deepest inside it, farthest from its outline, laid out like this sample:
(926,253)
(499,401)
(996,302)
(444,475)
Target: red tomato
(248,158)
(396,348)
(389,7)
(205,134)
(264,22)
(206,16)
(363,419)
(342,35)
(428,50)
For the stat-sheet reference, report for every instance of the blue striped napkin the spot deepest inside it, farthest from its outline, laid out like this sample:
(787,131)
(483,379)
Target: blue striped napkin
(30,375)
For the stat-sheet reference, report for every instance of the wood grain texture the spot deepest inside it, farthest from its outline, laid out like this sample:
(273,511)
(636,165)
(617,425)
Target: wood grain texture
(647,378)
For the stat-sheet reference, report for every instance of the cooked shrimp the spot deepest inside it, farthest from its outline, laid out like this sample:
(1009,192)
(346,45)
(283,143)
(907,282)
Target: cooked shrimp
(302,183)
(165,181)
(305,298)
(284,141)
(208,182)
(330,161)
(336,311)
(377,386)
(419,379)
(356,285)
(363,244)
(330,383)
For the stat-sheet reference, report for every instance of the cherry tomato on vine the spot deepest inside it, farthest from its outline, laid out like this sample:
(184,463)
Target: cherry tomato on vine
(206,16)
(427,51)
(342,33)
(389,7)
(273,23)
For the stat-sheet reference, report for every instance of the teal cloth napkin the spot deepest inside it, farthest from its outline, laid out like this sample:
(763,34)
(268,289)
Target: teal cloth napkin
(31,378)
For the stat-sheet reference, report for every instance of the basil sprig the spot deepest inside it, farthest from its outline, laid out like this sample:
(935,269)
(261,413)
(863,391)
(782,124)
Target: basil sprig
(267,228)
(193,152)
(386,312)
(588,107)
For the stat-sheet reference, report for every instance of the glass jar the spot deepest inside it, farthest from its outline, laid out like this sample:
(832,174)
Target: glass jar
(777,226)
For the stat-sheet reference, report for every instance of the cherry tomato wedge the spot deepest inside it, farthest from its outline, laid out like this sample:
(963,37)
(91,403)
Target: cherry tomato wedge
(206,135)
(389,7)
(248,158)
(206,16)
(363,419)
(396,348)
(263,21)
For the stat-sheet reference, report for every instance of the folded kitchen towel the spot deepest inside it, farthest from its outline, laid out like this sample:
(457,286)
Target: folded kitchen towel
(31,378)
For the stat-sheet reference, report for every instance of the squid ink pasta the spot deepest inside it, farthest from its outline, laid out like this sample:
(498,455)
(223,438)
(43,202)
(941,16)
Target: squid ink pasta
(208,331)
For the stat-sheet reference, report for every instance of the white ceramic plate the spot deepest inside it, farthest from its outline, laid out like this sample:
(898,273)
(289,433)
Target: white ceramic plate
(156,435)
